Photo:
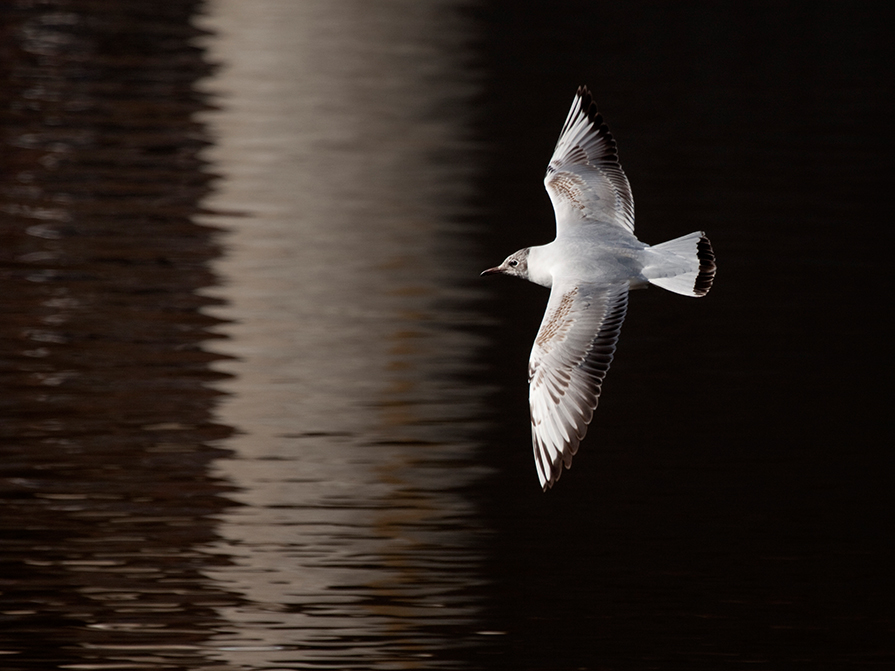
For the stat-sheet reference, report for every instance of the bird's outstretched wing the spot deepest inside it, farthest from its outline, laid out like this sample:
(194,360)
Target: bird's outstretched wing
(569,360)
(584,179)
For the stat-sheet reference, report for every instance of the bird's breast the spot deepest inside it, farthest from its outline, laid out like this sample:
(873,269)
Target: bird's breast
(584,260)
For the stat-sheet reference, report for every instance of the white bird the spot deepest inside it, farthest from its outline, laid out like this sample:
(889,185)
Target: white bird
(590,267)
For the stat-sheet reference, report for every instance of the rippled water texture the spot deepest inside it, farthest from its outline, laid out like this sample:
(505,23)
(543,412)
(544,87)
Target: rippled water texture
(107,422)
(344,138)
(344,537)
(259,412)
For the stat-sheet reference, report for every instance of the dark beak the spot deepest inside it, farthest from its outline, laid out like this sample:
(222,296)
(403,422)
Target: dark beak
(492,271)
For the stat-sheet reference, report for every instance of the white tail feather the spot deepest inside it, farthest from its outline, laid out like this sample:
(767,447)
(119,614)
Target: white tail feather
(685,265)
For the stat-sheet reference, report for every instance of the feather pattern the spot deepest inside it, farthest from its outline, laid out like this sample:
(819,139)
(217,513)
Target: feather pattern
(569,360)
(584,178)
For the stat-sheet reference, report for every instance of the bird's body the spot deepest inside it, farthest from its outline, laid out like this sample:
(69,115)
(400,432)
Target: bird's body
(590,267)
(613,257)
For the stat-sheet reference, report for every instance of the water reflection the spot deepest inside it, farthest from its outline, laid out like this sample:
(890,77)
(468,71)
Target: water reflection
(343,282)
(106,400)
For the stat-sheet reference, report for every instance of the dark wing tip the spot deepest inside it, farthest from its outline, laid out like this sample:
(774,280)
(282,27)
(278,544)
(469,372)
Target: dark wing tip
(588,107)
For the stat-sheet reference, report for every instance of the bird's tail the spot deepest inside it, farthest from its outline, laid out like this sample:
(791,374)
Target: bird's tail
(685,265)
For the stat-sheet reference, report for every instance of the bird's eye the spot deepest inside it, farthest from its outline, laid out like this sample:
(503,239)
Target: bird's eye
(514,263)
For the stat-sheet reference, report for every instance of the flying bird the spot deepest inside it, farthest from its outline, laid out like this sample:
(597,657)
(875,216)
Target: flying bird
(590,267)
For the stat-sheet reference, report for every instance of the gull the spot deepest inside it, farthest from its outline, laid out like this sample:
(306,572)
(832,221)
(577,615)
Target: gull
(590,267)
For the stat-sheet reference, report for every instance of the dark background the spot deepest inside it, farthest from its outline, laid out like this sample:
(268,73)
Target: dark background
(732,504)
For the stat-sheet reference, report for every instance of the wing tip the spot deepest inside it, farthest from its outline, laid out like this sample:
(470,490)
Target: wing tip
(550,470)
(584,105)
(587,103)
(588,106)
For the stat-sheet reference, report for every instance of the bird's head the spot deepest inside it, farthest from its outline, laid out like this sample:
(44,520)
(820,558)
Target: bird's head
(515,264)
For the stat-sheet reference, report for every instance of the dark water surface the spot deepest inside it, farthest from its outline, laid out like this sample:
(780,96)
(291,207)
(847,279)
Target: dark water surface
(108,430)
(257,410)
